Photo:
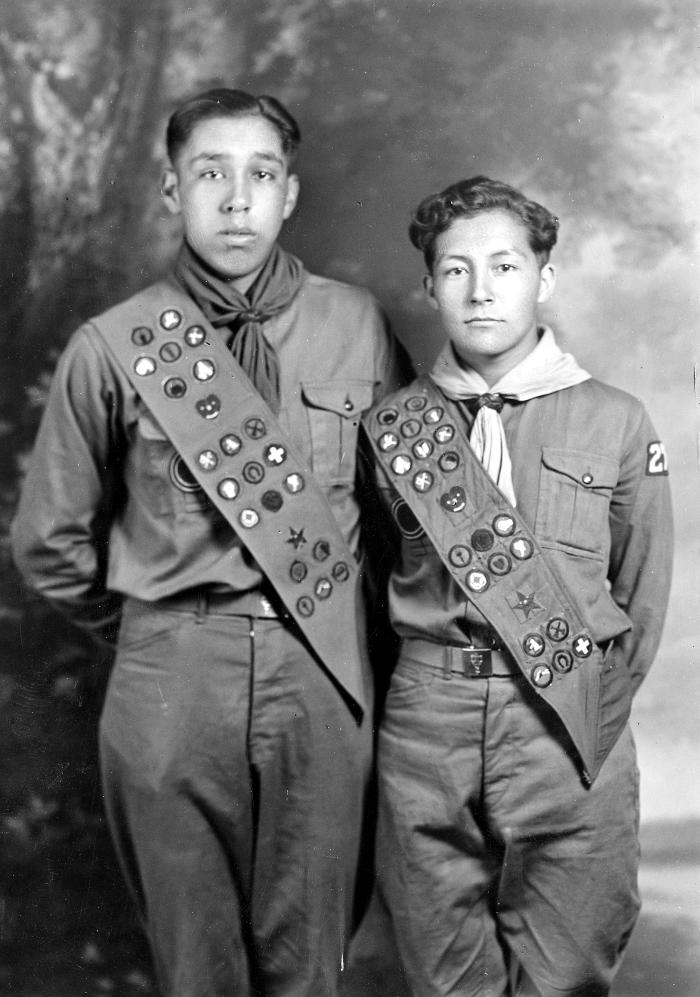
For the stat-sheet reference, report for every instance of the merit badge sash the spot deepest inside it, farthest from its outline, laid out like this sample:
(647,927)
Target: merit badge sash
(492,555)
(233,445)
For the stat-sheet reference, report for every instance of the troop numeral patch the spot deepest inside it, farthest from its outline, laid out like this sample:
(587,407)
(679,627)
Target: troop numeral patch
(657,461)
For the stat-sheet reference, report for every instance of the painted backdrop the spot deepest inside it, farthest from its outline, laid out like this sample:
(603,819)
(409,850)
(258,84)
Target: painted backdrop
(590,106)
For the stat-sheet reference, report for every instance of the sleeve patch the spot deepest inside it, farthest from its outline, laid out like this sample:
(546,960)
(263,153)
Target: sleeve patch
(657,461)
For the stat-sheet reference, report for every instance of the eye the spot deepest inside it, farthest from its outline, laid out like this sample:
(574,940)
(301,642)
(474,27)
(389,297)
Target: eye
(455,271)
(505,268)
(264,175)
(211,174)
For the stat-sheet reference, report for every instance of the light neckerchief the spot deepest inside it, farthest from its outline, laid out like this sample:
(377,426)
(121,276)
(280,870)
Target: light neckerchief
(273,290)
(543,371)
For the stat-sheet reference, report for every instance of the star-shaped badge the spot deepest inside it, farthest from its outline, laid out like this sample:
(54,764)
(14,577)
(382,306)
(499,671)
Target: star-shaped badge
(297,538)
(527,604)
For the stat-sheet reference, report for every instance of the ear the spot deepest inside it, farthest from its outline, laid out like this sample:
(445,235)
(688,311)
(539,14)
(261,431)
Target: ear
(170,191)
(290,201)
(548,281)
(429,288)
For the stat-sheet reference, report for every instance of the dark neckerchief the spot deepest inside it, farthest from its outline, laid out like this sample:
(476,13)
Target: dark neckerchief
(273,290)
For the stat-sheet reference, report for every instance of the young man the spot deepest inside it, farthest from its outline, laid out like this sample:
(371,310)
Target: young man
(195,475)
(529,595)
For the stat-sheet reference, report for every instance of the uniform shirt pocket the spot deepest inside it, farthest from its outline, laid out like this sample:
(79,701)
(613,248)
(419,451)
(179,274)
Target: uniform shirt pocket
(574,500)
(334,411)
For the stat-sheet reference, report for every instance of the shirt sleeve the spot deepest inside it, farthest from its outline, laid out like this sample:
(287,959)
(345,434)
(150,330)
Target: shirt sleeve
(641,558)
(61,529)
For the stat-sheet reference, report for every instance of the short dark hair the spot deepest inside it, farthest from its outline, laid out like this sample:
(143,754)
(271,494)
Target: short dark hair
(226,103)
(467,198)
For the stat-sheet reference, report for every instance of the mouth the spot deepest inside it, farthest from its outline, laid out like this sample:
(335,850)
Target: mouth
(482,320)
(237,235)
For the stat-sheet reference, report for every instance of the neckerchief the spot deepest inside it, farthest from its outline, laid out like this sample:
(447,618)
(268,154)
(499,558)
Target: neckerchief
(273,290)
(543,371)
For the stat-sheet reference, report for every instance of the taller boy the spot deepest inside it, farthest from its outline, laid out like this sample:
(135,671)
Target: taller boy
(197,462)
(530,594)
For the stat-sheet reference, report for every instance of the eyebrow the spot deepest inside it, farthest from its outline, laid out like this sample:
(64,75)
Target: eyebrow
(501,252)
(217,157)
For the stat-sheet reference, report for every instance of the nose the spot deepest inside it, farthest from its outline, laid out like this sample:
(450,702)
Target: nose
(237,198)
(480,290)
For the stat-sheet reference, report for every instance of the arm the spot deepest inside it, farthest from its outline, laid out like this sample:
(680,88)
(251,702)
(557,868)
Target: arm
(60,532)
(641,530)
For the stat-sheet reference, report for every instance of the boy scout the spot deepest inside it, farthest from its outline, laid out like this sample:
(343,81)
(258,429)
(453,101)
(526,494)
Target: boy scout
(530,592)
(197,462)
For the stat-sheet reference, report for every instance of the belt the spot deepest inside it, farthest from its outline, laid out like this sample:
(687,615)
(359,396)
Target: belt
(469,662)
(204,601)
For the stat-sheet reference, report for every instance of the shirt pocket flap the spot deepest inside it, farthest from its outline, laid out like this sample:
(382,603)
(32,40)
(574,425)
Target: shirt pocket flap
(586,469)
(344,398)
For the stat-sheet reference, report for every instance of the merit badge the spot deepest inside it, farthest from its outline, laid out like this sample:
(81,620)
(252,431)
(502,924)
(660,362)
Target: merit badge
(557,629)
(170,319)
(141,335)
(415,403)
(275,454)
(388,441)
(175,387)
(230,444)
(294,483)
(181,476)
(170,352)
(443,434)
(207,460)
(195,336)
(253,472)
(228,488)
(541,676)
(448,461)
(272,501)
(209,407)
(521,549)
(562,662)
(476,581)
(504,524)
(533,644)
(340,571)
(249,518)
(455,500)
(298,571)
(459,555)
(482,540)
(423,481)
(657,461)
(499,564)
(323,588)
(305,606)
(410,428)
(204,370)
(321,550)
(422,449)
(387,417)
(401,464)
(144,366)
(582,646)
(433,415)
(254,428)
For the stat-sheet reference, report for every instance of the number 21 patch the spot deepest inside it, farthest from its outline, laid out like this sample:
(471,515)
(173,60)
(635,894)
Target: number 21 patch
(657,461)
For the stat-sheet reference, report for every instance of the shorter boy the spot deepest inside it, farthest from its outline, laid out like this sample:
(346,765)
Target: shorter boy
(530,592)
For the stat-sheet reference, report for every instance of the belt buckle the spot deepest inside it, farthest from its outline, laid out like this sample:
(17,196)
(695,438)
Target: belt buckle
(476,663)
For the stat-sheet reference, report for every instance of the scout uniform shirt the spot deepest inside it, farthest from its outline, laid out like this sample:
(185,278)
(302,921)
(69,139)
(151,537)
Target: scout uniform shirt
(591,483)
(110,505)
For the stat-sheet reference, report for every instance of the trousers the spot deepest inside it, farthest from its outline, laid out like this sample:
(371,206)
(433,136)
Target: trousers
(503,873)
(234,776)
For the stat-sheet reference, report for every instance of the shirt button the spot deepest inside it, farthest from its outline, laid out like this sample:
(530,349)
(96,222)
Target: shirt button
(587,478)
(348,405)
